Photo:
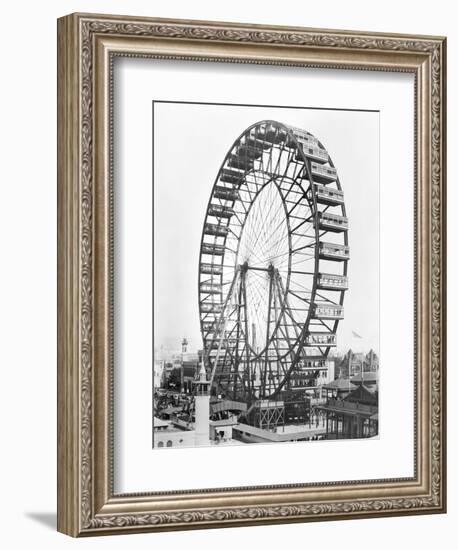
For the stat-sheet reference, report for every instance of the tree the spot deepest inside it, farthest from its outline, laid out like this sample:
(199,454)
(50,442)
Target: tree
(174,380)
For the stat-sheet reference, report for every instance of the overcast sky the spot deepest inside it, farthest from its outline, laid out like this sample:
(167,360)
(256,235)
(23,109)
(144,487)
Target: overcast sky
(190,142)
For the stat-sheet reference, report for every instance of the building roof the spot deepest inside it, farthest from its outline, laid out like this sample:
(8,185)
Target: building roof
(190,357)
(372,352)
(350,408)
(340,384)
(362,394)
(274,437)
(365,377)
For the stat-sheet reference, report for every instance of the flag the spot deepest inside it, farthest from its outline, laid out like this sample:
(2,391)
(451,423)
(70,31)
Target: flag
(355,334)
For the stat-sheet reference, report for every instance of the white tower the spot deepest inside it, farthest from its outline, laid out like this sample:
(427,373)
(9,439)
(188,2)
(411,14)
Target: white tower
(202,407)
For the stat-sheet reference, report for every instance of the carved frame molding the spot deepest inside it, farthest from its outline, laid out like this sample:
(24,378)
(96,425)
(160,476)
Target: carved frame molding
(87,45)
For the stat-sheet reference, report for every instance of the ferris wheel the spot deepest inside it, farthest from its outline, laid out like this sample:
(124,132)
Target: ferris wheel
(273,263)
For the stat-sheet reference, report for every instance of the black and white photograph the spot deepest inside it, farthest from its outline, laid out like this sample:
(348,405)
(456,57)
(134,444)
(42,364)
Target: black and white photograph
(226,253)
(266,274)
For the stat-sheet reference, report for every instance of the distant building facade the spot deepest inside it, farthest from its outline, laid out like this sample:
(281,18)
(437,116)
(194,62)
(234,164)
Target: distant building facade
(355,363)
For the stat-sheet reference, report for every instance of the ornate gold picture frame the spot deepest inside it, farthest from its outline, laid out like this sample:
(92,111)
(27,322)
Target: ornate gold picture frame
(87,46)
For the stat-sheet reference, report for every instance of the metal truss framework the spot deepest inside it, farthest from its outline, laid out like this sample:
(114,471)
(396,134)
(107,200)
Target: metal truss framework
(273,264)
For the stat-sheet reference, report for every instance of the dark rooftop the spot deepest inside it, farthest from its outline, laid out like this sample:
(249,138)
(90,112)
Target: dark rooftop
(340,384)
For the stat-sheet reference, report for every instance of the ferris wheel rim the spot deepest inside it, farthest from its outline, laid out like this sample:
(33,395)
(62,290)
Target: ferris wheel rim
(311,191)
